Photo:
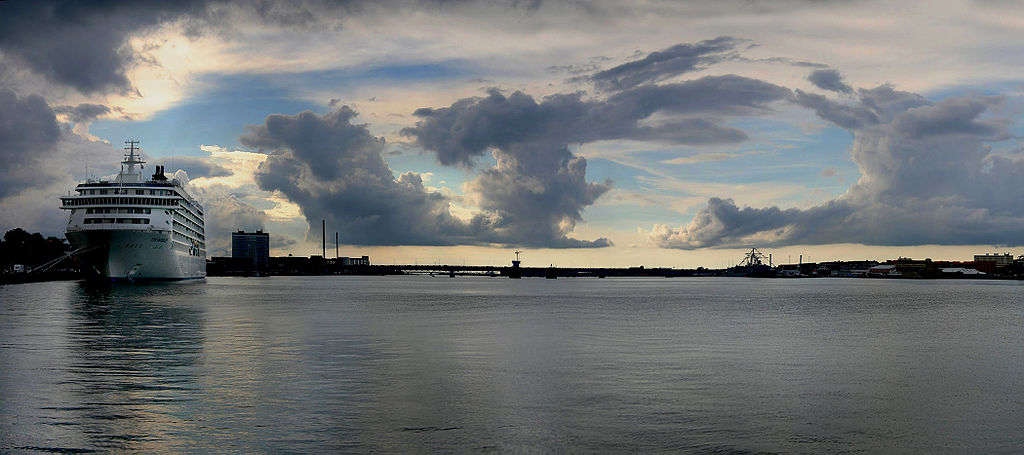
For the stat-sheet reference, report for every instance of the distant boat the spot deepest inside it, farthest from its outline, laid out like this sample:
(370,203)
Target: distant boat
(515,272)
(551,273)
(753,265)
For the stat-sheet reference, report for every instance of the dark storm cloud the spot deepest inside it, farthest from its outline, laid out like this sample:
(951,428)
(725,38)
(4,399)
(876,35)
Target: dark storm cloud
(334,169)
(194,166)
(928,177)
(28,133)
(471,126)
(83,44)
(83,113)
(829,79)
(722,223)
(849,116)
(664,64)
(956,117)
(778,60)
(538,189)
(537,199)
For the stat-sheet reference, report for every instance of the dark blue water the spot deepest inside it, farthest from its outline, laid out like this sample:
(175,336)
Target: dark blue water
(413,364)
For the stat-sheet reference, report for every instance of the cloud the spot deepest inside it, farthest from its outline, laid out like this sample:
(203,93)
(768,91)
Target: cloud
(83,46)
(28,133)
(334,170)
(86,46)
(538,190)
(471,126)
(709,157)
(224,214)
(664,64)
(927,177)
(536,200)
(195,166)
(829,79)
(849,116)
(83,113)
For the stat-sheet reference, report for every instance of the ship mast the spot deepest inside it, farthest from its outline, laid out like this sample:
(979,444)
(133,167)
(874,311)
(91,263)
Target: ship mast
(131,159)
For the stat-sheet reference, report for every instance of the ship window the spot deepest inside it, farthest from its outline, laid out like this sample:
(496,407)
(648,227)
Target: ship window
(140,191)
(103,191)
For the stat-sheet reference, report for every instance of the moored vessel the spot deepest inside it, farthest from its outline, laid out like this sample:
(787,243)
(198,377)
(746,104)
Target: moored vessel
(134,228)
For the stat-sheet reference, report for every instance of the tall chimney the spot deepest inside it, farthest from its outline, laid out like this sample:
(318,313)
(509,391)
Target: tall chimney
(335,245)
(323,236)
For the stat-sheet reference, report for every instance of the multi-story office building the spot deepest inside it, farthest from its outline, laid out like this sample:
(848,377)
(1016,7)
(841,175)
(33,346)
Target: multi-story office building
(254,246)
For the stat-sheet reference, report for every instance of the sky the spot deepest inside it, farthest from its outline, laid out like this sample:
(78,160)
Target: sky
(582,133)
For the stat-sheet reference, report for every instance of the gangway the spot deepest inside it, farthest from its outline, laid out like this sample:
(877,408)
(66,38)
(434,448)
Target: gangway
(49,264)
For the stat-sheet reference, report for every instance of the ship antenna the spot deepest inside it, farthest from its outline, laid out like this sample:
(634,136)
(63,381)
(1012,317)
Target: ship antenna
(131,148)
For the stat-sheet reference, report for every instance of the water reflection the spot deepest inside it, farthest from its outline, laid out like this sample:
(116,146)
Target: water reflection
(131,365)
(366,364)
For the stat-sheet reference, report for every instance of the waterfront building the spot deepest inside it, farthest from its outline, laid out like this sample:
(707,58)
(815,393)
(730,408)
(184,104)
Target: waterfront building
(353,261)
(884,270)
(999,259)
(989,262)
(254,246)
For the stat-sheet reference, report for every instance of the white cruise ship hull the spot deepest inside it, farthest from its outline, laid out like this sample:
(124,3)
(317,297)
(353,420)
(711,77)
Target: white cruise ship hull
(131,255)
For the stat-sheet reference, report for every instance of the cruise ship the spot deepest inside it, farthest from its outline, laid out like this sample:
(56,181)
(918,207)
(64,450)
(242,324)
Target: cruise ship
(136,228)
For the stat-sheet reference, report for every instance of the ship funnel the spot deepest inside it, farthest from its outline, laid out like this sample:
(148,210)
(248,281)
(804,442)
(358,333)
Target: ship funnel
(158,173)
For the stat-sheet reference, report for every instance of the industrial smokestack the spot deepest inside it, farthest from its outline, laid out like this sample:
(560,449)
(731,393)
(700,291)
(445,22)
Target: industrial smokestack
(323,236)
(335,245)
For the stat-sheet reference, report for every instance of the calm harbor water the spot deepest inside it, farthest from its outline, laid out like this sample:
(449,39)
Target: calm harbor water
(413,364)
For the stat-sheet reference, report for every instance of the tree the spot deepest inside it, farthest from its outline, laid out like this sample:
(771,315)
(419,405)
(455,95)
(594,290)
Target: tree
(20,247)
